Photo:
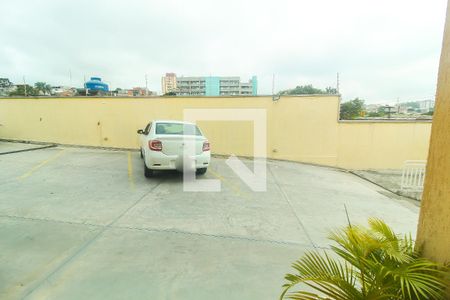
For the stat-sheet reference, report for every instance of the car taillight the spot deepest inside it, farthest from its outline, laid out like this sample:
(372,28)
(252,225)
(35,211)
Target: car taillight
(206,146)
(155,145)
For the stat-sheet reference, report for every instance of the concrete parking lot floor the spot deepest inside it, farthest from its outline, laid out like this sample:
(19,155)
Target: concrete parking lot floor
(79,223)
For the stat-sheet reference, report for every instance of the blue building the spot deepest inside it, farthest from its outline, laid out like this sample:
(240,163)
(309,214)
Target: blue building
(96,85)
(216,86)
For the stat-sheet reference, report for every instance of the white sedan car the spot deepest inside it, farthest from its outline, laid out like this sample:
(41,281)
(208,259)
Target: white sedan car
(163,146)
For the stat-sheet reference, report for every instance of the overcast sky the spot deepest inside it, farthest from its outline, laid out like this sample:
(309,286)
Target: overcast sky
(382,49)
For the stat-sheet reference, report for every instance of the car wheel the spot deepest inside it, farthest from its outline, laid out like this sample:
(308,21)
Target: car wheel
(142,155)
(201,171)
(148,172)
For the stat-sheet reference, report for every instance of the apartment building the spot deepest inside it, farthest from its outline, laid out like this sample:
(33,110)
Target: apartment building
(169,83)
(426,106)
(214,86)
(422,106)
(232,86)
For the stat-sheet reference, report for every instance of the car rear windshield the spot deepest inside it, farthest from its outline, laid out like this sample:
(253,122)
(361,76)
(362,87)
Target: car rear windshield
(177,129)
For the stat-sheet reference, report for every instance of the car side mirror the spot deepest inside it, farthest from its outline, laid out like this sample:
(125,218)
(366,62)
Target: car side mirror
(140,131)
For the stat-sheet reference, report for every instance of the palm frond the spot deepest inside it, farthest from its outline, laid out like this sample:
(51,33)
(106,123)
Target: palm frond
(303,295)
(373,263)
(420,279)
(324,274)
(381,228)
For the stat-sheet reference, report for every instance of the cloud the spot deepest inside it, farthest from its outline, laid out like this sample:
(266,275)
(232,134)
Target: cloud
(383,50)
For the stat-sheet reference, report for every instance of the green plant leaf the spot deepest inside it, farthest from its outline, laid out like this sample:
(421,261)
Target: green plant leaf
(372,263)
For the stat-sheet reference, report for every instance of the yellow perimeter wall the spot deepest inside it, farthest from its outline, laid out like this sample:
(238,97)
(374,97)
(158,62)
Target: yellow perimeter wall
(302,128)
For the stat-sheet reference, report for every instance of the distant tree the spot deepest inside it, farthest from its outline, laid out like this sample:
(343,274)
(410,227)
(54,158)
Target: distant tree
(331,90)
(381,111)
(308,90)
(5,83)
(24,90)
(430,113)
(170,94)
(375,115)
(43,87)
(351,109)
(302,90)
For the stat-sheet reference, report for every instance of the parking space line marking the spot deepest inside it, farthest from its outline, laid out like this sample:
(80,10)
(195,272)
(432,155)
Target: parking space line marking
(41,164)
(232,186)
(130,171)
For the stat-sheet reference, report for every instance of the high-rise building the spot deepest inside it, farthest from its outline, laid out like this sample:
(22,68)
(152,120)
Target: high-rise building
(214,86)
(426,106)
(169,83)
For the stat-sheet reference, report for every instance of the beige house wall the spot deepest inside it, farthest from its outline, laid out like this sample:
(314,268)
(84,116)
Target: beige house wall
(302,128)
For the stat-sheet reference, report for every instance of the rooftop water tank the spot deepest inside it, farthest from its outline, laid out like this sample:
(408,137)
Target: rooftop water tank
(96,84)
